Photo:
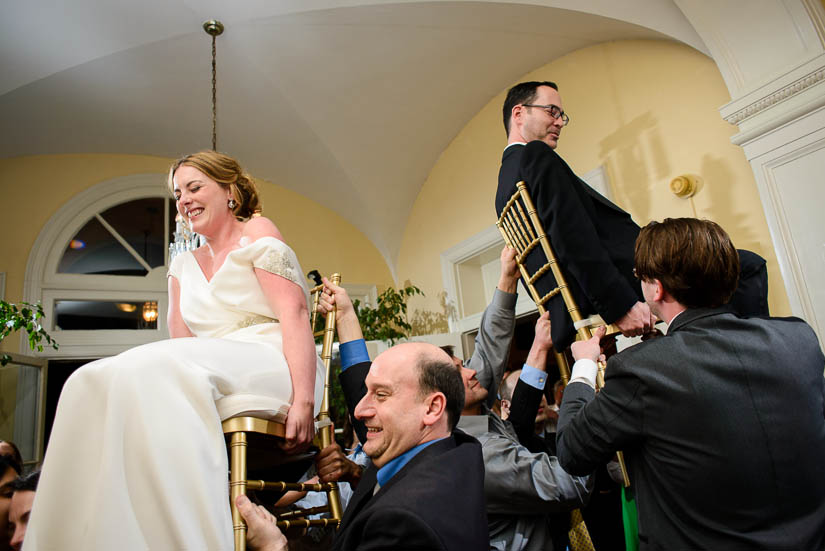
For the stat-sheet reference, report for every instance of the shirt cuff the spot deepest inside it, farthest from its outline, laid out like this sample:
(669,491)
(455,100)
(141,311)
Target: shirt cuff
(584,371)
(504,300)
(353,352)
(533,377)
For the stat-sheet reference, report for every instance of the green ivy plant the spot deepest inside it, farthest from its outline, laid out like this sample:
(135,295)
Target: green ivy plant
(24,315)
(388,320)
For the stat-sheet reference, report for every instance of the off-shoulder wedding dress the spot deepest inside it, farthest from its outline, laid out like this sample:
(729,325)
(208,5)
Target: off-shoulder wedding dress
(136,458)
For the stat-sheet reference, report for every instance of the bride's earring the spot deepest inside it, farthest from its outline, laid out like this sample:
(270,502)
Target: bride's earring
(231,203)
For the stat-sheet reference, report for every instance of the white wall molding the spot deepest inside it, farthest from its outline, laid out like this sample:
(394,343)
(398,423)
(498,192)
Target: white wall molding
(467,249)
(42,282)
(754,42)
(367,294)
(67,221)
(799,85)
(785,99)
(788,165)
(599,181)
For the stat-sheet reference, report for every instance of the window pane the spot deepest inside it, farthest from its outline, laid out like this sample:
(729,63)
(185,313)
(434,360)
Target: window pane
(94,250)
(100,314)
(140,223)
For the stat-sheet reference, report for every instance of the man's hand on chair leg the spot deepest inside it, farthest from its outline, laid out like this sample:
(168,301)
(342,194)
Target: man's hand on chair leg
(262,533)
(346,321)
(333,465)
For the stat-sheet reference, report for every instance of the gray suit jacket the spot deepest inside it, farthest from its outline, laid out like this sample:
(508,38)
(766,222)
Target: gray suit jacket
(521,487)
(495,333)
(722,423)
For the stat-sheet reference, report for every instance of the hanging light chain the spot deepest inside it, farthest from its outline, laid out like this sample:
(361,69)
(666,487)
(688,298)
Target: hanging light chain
(214,28)
(214,97)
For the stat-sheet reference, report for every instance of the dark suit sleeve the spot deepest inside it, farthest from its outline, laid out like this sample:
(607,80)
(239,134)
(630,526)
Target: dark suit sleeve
(398,528)
(572,233)
(524,404)
(352,382)
(592,428)
(751,295)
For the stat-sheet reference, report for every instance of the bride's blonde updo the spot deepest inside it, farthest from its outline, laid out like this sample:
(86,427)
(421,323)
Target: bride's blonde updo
(229,175)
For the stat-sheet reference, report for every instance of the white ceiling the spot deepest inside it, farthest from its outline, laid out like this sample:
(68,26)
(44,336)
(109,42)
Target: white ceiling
(349,103)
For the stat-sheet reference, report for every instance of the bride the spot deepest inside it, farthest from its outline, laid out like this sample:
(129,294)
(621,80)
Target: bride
(136,458)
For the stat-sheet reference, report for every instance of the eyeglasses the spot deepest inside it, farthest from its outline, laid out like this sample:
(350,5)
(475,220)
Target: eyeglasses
(552,110)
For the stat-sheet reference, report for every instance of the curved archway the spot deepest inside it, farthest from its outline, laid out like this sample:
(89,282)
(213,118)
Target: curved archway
(52,281)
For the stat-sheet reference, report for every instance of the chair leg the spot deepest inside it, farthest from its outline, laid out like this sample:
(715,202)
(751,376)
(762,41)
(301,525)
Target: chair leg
(333,495)
(237,486)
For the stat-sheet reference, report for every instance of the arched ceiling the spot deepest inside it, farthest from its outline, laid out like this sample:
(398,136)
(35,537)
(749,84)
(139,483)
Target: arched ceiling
(349,103)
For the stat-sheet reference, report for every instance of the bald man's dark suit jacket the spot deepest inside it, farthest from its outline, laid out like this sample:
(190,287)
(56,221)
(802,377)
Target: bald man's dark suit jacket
(435,502)
(722,424)
(592,238)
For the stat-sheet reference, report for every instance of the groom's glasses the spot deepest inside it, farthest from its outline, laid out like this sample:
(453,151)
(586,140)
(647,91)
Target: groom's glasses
(552,110)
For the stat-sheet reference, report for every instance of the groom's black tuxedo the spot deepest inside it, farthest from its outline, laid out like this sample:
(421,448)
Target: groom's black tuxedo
(435,502)
(592,238)
(594,241)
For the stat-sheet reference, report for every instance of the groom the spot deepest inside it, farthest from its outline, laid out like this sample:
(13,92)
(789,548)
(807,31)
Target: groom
(592,238)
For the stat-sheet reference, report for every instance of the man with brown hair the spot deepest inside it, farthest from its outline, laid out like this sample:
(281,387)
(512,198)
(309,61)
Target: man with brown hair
(721,421)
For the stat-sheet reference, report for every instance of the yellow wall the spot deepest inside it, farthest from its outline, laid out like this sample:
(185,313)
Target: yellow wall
(648,110)
(34,188)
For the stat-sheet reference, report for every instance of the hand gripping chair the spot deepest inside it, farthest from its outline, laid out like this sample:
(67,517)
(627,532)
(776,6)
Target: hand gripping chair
(522,229)
(242,431)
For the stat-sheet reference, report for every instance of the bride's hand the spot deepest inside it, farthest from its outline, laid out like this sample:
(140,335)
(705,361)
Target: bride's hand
(300,427)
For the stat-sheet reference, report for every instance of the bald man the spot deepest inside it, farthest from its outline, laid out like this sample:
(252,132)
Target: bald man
(424,489)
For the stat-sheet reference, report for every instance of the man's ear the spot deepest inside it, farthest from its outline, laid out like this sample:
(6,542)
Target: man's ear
(436,408)
(505,409)
(515,114)
(658,290)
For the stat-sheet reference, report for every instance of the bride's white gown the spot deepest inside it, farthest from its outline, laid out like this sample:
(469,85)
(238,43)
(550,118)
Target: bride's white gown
(136,458)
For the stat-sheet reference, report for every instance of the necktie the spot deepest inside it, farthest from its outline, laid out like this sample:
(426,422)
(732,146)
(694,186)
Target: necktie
(579,536)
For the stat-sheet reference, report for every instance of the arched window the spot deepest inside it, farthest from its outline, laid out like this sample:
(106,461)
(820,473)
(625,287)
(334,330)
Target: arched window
(99,267)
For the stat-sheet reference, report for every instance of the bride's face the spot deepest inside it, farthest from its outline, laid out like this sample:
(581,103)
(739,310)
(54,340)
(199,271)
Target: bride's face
(201,200)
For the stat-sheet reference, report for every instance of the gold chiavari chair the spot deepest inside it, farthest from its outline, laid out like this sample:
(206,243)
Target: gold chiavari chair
(522,229)
(246,433)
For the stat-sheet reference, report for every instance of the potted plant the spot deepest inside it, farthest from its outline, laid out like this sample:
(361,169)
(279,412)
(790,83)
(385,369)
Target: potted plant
(26,316)
(388,320)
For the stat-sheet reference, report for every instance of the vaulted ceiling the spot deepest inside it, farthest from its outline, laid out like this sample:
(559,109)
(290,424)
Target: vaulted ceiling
(347,102)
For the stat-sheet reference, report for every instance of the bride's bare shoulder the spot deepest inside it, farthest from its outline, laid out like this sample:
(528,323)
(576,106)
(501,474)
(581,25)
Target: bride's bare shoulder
(259,227)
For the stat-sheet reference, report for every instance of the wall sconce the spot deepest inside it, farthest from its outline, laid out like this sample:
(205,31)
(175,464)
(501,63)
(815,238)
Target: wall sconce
(686,185)
(150,311)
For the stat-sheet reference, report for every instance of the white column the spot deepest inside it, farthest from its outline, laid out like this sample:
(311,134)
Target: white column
(771,54)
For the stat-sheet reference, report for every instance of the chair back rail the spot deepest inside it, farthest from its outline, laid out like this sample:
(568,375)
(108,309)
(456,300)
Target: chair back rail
(522,229)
